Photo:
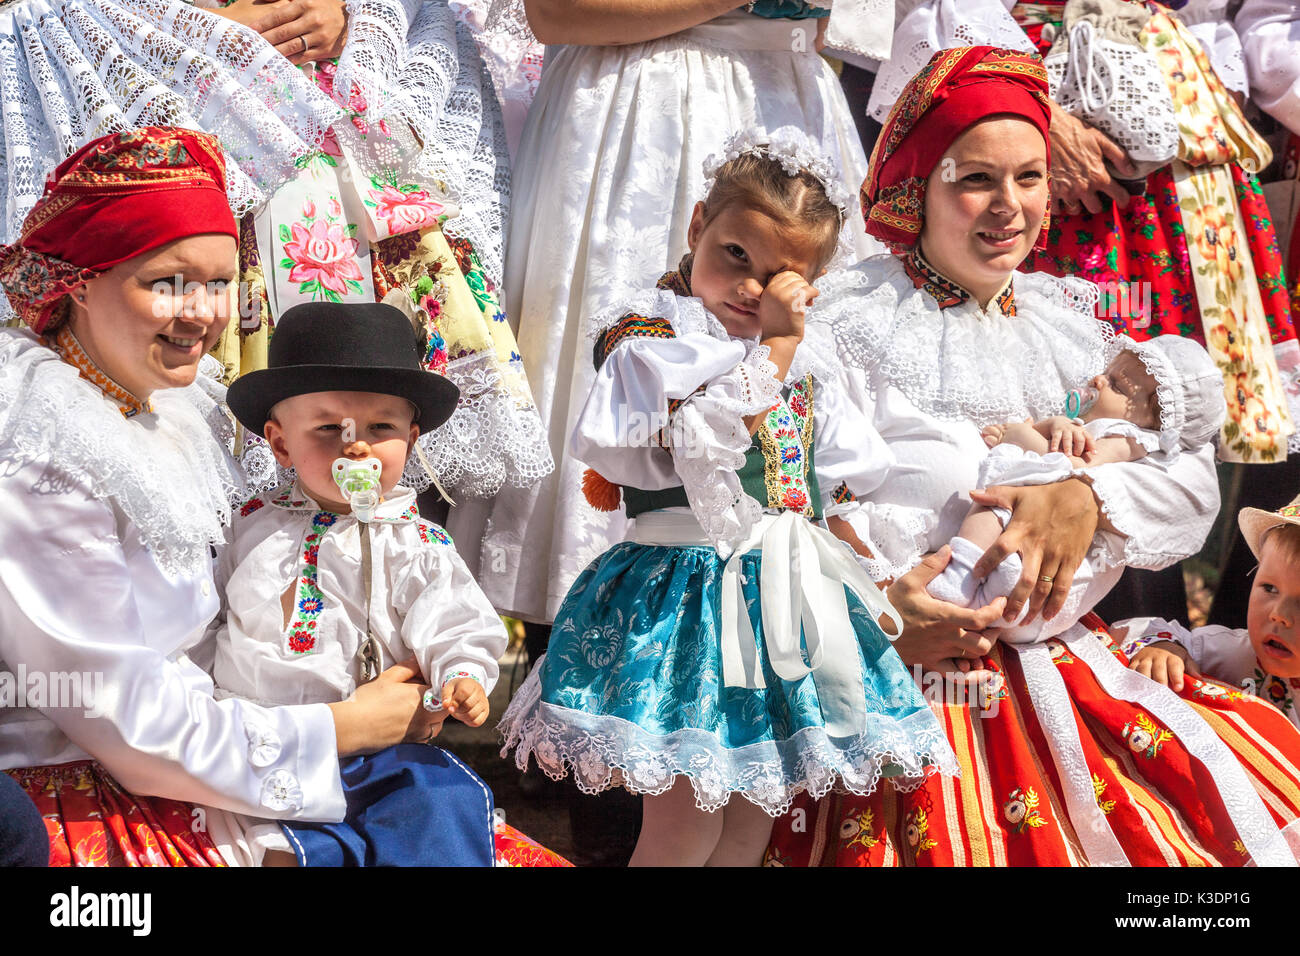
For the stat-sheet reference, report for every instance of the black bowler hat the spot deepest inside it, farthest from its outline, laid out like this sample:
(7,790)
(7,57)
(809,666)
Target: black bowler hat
(342,347)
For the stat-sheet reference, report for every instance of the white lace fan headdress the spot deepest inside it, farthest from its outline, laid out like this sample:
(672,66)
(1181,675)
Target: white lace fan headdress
(790,147)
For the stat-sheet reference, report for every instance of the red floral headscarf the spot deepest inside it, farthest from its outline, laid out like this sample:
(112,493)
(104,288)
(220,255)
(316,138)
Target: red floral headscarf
(112,200)
(951,93)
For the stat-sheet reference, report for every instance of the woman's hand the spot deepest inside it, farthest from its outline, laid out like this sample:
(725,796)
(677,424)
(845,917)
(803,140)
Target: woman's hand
(938,636)
(247,12)
(1051,528)
(304,31)
(1079,154)
(388,710)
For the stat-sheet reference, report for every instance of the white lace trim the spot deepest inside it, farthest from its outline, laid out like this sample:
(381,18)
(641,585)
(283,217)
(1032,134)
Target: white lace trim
(864,27)
(712,440)
(1052,707)
(1098,72)
(1260,835)
(789,146)
(169,472)
(961,363)
(74,70)
(815,356)
(896,535)
(940,25)
(607,751)
(494,436)
(443,91)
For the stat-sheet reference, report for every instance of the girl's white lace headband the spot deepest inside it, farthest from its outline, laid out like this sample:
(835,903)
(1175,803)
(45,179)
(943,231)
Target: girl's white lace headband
(790,147)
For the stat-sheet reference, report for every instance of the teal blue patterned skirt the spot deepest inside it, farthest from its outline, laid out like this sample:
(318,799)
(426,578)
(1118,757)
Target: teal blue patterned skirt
(630,692)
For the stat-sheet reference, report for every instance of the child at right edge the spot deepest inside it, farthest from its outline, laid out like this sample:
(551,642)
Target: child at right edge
(1262,658)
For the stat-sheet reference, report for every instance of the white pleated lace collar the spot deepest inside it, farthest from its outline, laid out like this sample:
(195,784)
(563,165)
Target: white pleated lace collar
(961,363)
(169,471)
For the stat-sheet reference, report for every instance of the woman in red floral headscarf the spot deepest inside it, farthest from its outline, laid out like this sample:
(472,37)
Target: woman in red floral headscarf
(1066,756)
(114,486)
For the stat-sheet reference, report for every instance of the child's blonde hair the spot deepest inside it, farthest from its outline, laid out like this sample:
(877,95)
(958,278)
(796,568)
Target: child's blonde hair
(797,202)
(1285,537)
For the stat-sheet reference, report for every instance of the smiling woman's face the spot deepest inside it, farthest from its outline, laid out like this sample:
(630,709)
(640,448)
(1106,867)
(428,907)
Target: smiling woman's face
(147,321)
(984,204)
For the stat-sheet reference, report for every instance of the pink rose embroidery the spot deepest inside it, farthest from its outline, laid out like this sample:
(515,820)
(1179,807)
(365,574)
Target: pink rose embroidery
(323,258)
(404,212)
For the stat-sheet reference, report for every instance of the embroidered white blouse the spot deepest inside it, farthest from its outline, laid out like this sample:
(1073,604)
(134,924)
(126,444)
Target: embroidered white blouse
(106,585)
(423,601)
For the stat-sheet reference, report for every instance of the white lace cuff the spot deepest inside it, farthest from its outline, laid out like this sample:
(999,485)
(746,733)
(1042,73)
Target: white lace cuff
(710,441)
(895,534)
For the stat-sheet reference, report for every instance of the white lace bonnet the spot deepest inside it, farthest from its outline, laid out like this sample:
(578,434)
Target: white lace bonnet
(789,146)
(1189,387)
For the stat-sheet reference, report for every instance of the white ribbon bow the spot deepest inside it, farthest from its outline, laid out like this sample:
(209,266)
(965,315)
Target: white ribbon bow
(805,570)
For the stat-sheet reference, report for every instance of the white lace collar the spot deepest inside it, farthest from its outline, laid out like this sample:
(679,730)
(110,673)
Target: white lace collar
(962,363)
(166,470)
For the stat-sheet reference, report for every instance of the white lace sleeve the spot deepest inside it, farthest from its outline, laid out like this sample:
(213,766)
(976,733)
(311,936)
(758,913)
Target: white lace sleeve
(375,53)
(1271,46)
(1209,22)
(74,70)
(622,429)
(1163,514)
(710,439)
(941,25)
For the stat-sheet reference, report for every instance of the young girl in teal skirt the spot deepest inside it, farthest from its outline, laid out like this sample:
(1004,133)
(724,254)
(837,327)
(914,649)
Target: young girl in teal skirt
(731,645)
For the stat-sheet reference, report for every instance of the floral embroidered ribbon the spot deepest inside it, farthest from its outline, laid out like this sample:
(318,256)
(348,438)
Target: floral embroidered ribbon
(1223,272)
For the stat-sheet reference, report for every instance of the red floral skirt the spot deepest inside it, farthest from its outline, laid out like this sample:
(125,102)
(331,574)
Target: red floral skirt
(92,821)
(515,849)
(1158,804)
(1146,243)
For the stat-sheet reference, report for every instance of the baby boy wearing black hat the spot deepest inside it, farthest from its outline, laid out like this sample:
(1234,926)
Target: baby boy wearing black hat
(335,577)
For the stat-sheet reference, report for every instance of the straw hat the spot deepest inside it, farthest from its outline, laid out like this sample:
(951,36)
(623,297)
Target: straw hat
(1255,522)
